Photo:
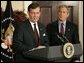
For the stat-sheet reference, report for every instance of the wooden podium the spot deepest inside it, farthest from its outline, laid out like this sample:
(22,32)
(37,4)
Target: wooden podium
(53,53)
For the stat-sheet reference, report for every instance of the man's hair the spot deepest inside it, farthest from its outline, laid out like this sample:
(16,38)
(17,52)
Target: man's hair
(33,6)
(63,6)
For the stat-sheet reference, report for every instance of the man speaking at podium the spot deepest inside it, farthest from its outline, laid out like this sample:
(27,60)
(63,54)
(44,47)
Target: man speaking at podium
(62,27)
(30,35)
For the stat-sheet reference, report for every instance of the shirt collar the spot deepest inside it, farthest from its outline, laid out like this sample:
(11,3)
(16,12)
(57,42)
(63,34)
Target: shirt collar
(32,23)
(64,22)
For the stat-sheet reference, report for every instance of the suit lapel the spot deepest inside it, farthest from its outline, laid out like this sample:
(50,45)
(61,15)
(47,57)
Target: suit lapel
(40,29)
(29,29)
(57,27)
(68,29)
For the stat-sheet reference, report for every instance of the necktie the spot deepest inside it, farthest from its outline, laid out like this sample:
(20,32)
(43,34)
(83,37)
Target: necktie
(36,35)
(62,28)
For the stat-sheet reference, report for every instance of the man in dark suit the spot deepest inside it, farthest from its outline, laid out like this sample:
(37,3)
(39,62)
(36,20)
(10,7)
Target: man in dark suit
(30,35)
(62,27)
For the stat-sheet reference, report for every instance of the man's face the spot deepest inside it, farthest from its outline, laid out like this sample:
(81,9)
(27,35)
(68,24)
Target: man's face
(34,14)
(63,14)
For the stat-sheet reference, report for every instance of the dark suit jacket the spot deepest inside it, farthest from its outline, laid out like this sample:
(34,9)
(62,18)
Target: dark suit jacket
(71,33)
(23,39)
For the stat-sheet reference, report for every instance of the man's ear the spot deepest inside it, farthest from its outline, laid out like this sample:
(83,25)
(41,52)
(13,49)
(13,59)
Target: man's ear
(28,12)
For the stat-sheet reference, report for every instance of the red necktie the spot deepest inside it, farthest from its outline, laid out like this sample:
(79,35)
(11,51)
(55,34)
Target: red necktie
(62,28)
(36,35)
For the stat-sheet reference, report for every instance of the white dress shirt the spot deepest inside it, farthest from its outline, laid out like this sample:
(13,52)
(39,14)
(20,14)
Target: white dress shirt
(32,24)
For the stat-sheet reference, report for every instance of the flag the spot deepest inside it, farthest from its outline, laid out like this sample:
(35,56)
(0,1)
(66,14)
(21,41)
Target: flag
(7,17)
(6,28)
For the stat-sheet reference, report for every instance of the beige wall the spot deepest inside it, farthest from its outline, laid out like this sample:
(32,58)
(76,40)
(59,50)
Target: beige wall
(26,4)
(16,5)
(3,5)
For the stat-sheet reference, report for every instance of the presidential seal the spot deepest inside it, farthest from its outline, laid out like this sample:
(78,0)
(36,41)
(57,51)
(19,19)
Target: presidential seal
(68,50)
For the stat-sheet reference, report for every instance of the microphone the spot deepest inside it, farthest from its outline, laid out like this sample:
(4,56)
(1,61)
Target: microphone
(62,37)
(65,38)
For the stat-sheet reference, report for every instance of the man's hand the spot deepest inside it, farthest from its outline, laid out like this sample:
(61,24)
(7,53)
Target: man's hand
(39,47)
(8,42)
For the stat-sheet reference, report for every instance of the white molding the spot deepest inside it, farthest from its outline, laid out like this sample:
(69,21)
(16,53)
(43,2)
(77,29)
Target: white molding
(81,26)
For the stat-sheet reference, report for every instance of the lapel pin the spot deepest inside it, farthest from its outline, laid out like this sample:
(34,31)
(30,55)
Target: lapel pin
(44,34)
(68,29)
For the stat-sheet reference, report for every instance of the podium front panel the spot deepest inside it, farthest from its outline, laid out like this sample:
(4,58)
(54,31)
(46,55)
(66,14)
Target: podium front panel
(53,53)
